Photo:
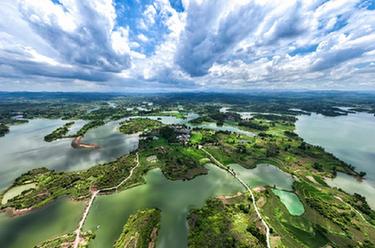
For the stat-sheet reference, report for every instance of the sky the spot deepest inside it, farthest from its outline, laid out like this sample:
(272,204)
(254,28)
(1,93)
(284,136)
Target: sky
(186,45)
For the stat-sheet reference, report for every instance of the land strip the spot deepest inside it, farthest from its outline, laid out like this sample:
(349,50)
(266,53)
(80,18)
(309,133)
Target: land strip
(220,165)
(93,196)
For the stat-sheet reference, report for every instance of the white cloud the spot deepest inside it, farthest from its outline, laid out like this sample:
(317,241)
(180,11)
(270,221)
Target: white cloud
(240,44)
(142,38)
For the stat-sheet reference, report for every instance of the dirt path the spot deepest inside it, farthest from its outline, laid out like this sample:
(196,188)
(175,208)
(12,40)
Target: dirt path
(219,164)
(78,231)
(355,210)
(93,196)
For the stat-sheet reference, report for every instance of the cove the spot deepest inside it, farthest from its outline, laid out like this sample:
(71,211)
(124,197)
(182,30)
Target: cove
(57,218)
(351,138)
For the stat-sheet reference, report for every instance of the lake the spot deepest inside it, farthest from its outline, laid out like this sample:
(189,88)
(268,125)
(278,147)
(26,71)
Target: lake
(110,212)
(24,148)
(351,138)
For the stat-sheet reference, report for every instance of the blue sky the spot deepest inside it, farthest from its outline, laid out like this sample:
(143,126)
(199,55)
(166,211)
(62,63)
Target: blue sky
(178,45)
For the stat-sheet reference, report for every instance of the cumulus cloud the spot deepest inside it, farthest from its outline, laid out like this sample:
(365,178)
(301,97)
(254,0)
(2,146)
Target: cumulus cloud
(72,39)
(244,44)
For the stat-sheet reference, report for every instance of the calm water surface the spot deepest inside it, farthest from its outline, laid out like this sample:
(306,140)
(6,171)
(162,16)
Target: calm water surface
(110,212)
(24,148)
(59,217)
(290,201)
(174,198)
(350,138)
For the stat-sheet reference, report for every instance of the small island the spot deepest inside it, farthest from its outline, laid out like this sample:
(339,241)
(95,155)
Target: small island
(59,133)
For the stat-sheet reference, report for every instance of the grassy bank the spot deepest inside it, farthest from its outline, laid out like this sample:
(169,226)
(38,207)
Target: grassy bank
(141,229)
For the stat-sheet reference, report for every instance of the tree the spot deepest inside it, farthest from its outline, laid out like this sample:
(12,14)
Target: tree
(362,174)
(318,166)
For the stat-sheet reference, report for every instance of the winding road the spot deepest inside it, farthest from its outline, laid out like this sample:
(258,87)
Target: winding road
(220,165)
(93,196)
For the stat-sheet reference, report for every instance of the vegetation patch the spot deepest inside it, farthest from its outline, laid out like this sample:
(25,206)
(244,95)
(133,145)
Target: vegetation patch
(176,161)
(67,240)
(88,126)
(229,223)
(52,184)
(4,129)
(141,230)
(59,132)
(136,125)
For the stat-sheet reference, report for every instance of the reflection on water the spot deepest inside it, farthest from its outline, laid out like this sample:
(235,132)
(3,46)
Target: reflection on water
(24,148)
(264,174)
(351,185)
(350,138)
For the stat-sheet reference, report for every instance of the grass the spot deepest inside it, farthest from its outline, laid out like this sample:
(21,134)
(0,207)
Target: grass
(140,230)
(59,132)
(177,162)
(136,125)
(224,224)
(51,184)
(66,240)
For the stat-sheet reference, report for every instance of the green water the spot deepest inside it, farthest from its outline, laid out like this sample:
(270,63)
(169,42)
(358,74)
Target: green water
(350,138)
(290,201)
(265,174)
(110,212)
(60,217)
(174,198)
(24,148)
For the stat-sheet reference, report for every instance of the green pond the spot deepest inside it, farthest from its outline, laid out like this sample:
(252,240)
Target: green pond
(24,148)
(59,217)
(290,201)
(350,138)
(265,174)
